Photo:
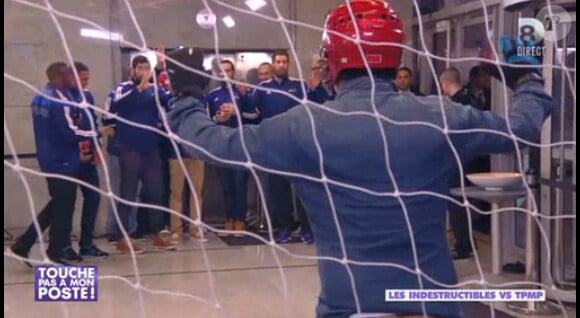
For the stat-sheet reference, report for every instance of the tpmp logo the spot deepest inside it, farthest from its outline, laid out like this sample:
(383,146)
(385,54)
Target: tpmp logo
(548,25)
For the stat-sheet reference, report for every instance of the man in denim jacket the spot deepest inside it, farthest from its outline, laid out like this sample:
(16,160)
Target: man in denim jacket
(359,180)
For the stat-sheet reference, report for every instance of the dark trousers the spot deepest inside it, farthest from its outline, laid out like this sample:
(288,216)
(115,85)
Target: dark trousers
(143,221)
(458,214)
(460,224)
(235,187)
(146,168)
(166,191)
(57,214)
(281,204)
(165,151)
(91,200)
(460,228)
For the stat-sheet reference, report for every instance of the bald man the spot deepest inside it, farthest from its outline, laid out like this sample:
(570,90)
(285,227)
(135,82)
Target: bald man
(451,86)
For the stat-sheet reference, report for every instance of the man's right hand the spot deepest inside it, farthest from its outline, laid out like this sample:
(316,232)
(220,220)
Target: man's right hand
(315,79)
(108,131)
(145,82)
(85,151)
(96,158)
(225,112)
(86,157)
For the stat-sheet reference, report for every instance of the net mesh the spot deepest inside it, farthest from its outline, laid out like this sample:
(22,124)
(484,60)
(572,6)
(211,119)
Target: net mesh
(23,173)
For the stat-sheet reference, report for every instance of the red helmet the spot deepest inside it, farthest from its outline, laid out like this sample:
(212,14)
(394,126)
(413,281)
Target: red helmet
(377,22)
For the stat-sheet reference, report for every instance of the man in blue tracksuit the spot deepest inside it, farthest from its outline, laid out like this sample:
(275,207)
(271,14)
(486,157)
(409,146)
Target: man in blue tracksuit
(58,145)
(361,196)
(88,171)
(136,102)
(281,92)
(273,97)
(114,169)
(224,109)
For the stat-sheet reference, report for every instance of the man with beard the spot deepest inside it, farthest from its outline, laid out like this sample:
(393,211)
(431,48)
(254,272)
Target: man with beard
(140,160)
(269,102)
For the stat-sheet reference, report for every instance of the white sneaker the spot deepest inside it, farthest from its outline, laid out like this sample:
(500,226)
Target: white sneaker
(297,232)
(199,237)
(175,238)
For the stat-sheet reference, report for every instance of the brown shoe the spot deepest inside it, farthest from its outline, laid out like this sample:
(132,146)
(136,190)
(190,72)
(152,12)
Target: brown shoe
(161,243)
(239,226)
(124,246)
(228,227)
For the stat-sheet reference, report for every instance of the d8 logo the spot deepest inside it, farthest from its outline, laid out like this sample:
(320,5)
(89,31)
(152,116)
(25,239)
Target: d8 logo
(549,25)
(527,33)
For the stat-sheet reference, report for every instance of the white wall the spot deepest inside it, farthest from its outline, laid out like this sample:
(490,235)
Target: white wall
(32,42)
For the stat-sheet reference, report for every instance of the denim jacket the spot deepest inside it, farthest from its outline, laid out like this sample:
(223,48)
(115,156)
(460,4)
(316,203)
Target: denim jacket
(346,167)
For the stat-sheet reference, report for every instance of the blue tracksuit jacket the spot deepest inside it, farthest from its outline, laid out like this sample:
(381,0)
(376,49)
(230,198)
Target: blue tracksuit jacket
(56,134)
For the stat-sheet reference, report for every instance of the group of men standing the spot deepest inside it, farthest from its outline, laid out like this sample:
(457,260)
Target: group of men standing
(67,136)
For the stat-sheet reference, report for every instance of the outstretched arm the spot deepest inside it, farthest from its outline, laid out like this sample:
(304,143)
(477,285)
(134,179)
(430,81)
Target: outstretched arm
(528,111)
(271,144)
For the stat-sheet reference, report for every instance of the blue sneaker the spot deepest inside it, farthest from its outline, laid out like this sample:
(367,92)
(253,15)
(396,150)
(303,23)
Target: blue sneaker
(307,237)
(283,236)
(93,251)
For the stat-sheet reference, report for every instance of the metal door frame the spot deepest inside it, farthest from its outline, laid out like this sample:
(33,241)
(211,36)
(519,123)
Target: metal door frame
(551,198)
(459,18)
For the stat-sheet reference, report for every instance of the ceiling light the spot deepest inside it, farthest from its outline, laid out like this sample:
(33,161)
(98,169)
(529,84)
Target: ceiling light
(255,5)
(229,21)
(99,34)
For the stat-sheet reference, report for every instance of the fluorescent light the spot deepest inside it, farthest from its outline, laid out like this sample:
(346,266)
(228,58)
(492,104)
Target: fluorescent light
(255,5)
(98,34)
(229,21)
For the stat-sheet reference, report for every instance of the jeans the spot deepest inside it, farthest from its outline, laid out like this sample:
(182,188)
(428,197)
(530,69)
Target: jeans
(146,168)
(235,187)
(115,178)
(91,199)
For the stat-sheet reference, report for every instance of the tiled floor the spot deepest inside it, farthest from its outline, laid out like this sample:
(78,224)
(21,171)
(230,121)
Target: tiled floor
(243,282)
